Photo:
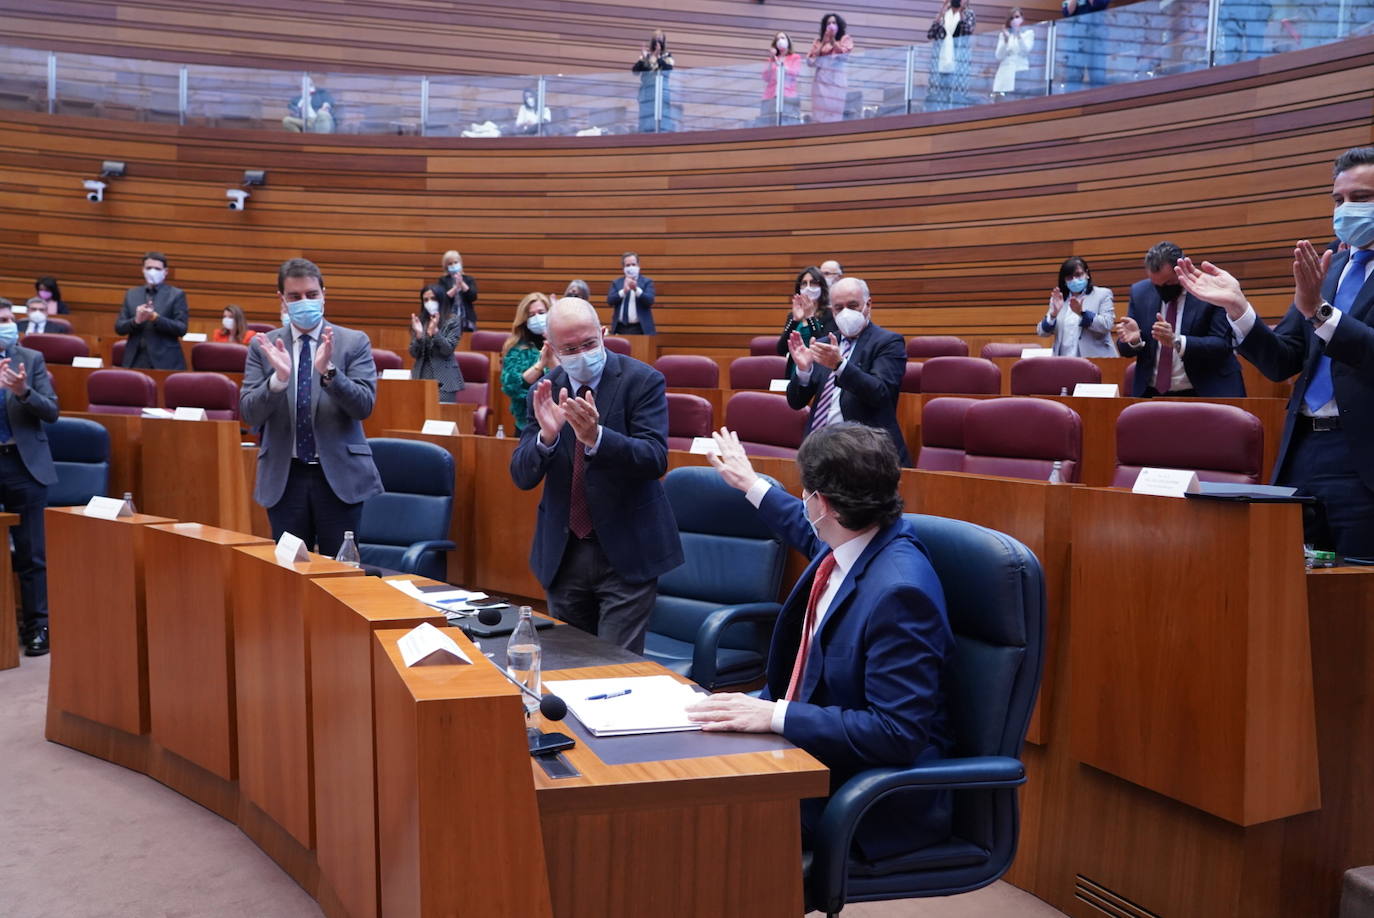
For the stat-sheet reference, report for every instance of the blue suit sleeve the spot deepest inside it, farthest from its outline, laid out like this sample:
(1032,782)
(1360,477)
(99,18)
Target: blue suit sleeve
(642,451)
(646,293)
(878,385)
(783,513)
(354,388)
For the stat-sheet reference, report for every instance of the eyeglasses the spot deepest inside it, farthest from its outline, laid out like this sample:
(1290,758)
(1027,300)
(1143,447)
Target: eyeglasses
(573,350)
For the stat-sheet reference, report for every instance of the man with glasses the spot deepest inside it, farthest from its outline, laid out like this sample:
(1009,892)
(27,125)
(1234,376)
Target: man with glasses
(606,531)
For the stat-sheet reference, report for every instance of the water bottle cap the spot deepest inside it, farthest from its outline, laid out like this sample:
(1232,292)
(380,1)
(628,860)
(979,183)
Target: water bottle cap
(348,533)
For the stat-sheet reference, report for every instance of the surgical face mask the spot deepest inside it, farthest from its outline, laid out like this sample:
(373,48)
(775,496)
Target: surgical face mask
(38,316)
(807,514)
(227,322)
(1168,292)
(306,314)
(1077,284)
(632,270)
(9,334)
(784,44)
(850,322)
(154,276)
(45,294)
(455,268)
(432,307)
(538,323)
(586,366)
(1016,22)
(285,318)
(811,291)
(1354,223)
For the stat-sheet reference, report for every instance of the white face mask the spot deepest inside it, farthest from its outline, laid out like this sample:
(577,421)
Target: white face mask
(850,322)
(807,515)
(37,317)
(811,291)
(432,307)
(632,270)
(227,322)
(783,44)
(154,276)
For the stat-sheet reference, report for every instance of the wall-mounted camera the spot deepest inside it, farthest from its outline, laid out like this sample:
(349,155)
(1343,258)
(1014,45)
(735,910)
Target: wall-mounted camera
(238,198)
(95,190)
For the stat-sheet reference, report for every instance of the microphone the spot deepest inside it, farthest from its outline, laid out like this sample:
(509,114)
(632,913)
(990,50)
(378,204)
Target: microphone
(551,706)
(489,616)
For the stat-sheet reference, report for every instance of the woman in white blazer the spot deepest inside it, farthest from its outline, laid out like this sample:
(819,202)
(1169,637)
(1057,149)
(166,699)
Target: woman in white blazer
(1014,45)
(1080,316)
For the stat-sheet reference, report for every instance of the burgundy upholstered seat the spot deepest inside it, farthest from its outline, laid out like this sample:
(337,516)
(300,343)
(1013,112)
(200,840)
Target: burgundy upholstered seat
(386,360)
(120,392)
(617,345)
(1050,375)
(476,369)
(688,416)
(219,357)
(765,423)
(763,346)
(911,377)
(961,376)
(214,392)
(57,348)
(942,434)
(1219,442)
(690,371)
(925,346)
(1021,437)
(1003,349)
(481,420)
(756,372)
(487,340)
(117,352)
(260,327)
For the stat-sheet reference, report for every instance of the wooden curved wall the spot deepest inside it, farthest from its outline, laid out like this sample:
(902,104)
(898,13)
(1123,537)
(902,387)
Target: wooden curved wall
(959,222)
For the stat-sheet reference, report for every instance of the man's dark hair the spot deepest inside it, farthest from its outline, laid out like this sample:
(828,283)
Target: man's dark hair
(5,304)
(1161,254)
(634,255)
(297,267)
(1359,156)
(856,469)
(155,256)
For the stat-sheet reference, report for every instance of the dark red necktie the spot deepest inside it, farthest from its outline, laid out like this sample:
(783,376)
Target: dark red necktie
(579,514)
(818,585)
(1165,380)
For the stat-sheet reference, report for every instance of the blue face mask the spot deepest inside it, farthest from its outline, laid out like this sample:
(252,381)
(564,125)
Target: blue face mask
(1354,223)
(1077,284)
(807,515)
(306,314)
(538,323)
(9,335)
(584,367)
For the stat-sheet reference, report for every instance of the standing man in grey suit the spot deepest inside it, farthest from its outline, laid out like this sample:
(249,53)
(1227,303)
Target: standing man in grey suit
(153,318)
(309,386)
(26,470)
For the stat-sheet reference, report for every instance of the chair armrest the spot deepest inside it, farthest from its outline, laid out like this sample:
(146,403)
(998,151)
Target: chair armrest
(709,634)
(847,806)
(411,559)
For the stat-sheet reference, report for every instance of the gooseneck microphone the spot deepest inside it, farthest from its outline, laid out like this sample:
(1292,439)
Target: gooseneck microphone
(551,706)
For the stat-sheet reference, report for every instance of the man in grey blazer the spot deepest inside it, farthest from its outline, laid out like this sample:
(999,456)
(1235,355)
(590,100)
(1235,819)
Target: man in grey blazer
(26,470)
(309,386)
(153,319)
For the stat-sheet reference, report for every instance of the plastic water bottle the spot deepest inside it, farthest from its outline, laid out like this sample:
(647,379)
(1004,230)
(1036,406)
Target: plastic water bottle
(348,552)
(1057,472)
(524,656)
(1063,391)
(500,431)
(129,501)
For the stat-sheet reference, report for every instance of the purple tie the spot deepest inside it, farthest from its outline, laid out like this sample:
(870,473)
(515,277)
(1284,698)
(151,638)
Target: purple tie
(821,416)
(305,425)
(579,514)
(1165,379)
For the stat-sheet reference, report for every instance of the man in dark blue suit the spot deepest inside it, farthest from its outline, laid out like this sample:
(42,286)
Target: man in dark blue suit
(631,299)
(856,378)
(856,667)
(600,445)
(1327,336)
(1190,347)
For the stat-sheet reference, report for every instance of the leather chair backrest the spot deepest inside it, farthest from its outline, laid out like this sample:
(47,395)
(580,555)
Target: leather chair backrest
(766,424)
(416,503)
(961,376)
(58,326)
(756,372)
(487,340)
(689,371)
(1021,438)
(57,348)
(1219,442)
(911,377)
(214,392)
(386,360)
(219,357)
(1050,375)
(1128,379)
(1003,349)
(117,352)
(925,346)
(260,327)
(763,346)
(480,420)
(942,434)
(475,367)
(689,416)
(118,391)
(617,345)
(81,452)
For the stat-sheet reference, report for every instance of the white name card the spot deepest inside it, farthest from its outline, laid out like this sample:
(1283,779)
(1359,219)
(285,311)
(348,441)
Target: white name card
(703,446)
(90,363)
(19,310)
(395,374)
(440,428)
(107,508)
(194,337)
(186,413)
(1166,482)
(1095,390)
(426,645)
(1037,352)
(291,549)
(777,385)
(157,413)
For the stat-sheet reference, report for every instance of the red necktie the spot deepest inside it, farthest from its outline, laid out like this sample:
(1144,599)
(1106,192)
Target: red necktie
(1165,381)
(579,514)
(818,585)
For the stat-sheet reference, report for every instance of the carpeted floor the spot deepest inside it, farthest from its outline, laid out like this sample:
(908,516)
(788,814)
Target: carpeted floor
(82,838)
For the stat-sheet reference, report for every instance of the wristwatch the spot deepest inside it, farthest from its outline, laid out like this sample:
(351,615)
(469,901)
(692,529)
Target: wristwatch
(328,376)
(1321,315)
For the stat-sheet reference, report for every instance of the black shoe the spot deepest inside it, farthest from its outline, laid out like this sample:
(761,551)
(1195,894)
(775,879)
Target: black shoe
(37,644)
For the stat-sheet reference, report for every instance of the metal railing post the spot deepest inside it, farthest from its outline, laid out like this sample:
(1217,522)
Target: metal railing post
(539,106)
(1213,17)
(1049,58)
(424,105)
(909,84)
(658,101)
(52,82)
(777,96)
(182,94)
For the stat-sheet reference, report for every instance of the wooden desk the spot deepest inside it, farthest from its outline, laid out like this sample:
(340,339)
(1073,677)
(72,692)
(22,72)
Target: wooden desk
(126,450)
(402,404)
(272,686)
(9,638)
(193,470)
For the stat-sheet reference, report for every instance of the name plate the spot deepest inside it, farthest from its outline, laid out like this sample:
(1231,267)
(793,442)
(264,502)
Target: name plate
(426,645)
(186,413)
(107,508)
(291,549)
(395,374)
(777,385)
(18,310)
(162,413)
(194,337)
(440,428)
(1095,390)
(90,363)
(1166,482)
(703,446)
(1037,352)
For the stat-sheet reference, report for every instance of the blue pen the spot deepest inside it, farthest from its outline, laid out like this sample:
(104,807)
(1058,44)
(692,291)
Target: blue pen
(609,695)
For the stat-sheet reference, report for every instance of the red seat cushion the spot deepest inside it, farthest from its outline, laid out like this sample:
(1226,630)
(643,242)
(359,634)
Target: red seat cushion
(961,376)
(942,434)
(936,346)
(688,416)
(1051,375)
(1219,442)
(765,423)
(691,371)
(1022,437)
(756,372)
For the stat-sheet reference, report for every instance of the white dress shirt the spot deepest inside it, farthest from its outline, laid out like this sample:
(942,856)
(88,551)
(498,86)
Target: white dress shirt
(281,385)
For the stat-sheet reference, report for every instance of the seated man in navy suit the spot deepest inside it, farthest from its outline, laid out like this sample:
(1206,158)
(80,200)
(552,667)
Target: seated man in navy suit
(856,378)
(1189,348)
(1327,339)
(856,668)
(600,445)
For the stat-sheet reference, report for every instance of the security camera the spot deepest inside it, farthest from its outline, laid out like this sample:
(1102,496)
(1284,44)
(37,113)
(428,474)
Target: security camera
(237,198)
(95,190)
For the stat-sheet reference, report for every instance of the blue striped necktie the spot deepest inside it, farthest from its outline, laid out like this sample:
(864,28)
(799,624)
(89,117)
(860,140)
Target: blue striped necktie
(305,425)
(1321,389)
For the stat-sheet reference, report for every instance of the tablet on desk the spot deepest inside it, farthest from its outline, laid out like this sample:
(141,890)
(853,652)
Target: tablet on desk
(509,617)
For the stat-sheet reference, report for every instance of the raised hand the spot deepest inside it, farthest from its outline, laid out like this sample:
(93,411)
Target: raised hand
(1210,283)
(801,354)
(547,412)
(799,306)
(1162,331)
(1127,330)
(1309,270)
(1056,302)
(631,284)
(276,355)
(826,353)
(144,313)
(8,376)
(582,416)
(433,326)
(730,460)
(547,358)
(325,352)
(416,328)
(1076,304)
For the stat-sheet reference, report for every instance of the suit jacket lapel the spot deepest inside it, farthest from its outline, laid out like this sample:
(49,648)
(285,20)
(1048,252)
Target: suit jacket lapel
(609,386)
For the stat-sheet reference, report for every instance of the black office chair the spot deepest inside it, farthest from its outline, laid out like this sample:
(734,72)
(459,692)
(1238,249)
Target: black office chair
(995,595)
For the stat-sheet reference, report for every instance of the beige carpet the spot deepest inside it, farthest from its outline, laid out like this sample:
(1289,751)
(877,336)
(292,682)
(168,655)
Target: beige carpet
(81,838)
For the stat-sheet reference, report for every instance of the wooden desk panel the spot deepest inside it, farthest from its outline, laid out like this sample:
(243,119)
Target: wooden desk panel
(402,404)
(501,517)
(126,450)
(190,643)
(193,470)
(341,615)
(9,638)
(272,685)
